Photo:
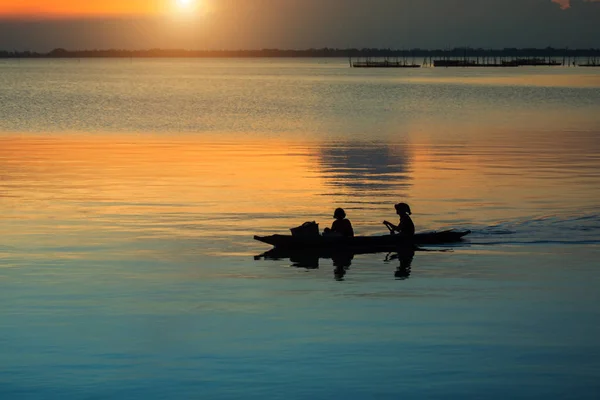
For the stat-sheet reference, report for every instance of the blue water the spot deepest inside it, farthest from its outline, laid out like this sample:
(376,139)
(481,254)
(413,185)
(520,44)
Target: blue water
(130,192)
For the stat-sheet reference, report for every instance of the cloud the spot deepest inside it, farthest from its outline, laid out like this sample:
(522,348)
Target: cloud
(565,4)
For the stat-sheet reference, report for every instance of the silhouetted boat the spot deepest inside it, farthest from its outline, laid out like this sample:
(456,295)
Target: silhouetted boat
(454,63)
(535,62)
(384,64)
(362,243)
(472,63)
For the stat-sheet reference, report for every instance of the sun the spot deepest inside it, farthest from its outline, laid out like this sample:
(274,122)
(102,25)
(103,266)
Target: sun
(186,5)
(189,9)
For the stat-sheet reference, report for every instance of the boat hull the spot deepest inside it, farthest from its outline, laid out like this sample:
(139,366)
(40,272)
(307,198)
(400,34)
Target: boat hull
(383,64)
(374,243)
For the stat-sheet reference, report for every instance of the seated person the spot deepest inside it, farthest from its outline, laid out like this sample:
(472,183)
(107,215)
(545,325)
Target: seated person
(406,225)
(341,226)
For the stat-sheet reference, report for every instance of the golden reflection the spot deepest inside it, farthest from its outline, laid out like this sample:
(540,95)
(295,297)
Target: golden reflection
(543,80)
(500,176)
(213,186)
(173,170)
(152,185)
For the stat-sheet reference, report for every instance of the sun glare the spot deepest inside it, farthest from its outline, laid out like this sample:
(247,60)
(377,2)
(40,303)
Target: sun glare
(185,5)
(189,8)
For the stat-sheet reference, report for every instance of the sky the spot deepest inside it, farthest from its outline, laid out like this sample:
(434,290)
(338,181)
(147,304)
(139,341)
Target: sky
(37,25)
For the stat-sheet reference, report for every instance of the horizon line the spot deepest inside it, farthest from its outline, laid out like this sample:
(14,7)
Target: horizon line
(62,50)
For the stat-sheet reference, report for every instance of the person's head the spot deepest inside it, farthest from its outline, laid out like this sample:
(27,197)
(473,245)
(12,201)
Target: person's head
(402,208)
(339,213)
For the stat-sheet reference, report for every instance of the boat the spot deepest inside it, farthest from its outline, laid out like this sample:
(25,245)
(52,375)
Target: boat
(535,62)
(362,243)
(384,64)
(454,63)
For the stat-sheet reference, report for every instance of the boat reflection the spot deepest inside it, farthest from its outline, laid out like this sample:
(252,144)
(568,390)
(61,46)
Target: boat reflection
(342,259)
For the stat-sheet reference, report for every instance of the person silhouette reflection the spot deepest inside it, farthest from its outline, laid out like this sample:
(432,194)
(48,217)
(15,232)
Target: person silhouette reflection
(341,262)
(405,256)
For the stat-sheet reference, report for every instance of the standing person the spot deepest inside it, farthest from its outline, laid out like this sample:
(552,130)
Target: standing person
(341,226)
(406,225)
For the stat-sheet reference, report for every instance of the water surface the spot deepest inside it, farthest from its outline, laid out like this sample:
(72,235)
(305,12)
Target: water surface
(130,192)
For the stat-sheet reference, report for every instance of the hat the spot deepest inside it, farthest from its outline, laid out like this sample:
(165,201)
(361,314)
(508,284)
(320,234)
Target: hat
(403,207)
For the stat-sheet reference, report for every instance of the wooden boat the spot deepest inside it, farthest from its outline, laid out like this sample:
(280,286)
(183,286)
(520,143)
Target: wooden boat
(364,243)
(384,64)
(454,63)
(535,62)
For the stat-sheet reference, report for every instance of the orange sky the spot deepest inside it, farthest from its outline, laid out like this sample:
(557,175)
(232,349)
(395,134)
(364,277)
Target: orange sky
(42,25)
(87,7)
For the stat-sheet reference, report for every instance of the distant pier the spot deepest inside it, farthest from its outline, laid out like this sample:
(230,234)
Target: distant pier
(471,63)
(476,58)
(591,62)
(465,62)
(518,62)
(359,58)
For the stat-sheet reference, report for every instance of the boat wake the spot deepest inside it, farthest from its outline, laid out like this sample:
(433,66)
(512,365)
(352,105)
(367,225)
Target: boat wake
(551,229)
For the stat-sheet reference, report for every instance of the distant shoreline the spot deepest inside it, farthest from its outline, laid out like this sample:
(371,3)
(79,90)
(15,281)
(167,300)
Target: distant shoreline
(307,53)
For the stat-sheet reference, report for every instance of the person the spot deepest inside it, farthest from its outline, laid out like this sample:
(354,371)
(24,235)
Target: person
(341,226)
(406,225)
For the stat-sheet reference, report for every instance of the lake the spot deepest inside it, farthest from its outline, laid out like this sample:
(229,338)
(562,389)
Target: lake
(130,191)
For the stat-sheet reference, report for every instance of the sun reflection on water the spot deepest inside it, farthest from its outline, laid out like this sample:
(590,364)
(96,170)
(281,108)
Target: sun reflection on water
(89,189)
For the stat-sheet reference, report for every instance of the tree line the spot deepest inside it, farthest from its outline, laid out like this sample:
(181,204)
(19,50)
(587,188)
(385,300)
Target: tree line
(321,52)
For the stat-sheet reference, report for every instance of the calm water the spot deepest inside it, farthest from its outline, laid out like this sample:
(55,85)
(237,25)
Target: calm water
(130,192)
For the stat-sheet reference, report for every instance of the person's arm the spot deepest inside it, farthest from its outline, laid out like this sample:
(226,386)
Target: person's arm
(391,226)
